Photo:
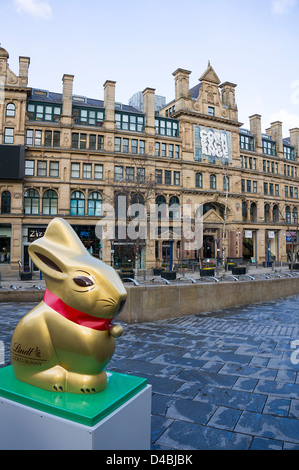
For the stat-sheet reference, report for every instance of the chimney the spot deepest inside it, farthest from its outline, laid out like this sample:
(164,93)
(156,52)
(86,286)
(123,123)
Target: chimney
(181,80)
(294,139)
(24,63)
(228,95)
(276,134)
(67,99)
(109,104)
(149,109)
(256,130)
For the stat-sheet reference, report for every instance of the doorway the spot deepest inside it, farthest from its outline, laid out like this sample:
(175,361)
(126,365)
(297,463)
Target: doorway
(208,246)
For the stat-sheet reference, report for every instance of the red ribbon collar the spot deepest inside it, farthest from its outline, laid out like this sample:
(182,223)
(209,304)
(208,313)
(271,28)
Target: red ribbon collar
(100,324)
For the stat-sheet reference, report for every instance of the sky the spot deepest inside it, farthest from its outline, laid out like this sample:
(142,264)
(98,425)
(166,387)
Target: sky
(140,43)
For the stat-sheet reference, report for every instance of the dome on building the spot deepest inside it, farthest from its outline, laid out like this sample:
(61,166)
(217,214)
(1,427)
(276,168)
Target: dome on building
(3,53)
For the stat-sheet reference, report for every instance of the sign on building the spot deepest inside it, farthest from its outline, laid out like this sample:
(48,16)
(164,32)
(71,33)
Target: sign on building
(212,145)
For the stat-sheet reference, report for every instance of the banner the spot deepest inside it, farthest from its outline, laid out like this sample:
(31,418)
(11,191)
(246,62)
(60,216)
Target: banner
(212,145)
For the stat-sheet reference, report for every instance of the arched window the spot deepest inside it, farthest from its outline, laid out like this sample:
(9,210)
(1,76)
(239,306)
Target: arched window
(95,204)
(267,213)
(31,202)
(77,203)
(213,182)
(50,202)
(198,180)
(288,215)
(295,215)
(10,110)
(5,202)
(162,209)
(120,205)
(244,211)
(253,212)
(275,213)
(174,208)
(137,198)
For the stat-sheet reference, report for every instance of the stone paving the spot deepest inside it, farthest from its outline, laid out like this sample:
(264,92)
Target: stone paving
(224,380)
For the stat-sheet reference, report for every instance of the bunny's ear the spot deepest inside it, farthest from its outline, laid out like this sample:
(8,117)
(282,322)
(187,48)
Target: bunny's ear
(53,252)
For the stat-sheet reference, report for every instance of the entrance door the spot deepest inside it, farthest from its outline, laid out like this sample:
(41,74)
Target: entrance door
(208,246)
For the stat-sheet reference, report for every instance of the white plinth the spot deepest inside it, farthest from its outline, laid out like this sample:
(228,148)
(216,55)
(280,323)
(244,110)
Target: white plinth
(127,428)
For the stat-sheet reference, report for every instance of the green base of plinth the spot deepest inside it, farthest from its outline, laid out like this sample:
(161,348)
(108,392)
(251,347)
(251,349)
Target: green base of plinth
(84,409)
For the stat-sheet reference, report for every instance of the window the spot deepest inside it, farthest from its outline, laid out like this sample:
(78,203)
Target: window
(211,111)
(44,112)
(10,110)
(31,202)
(267,213)
(41,168)
(5,202)
(9,135)
(277,190)
(295,215)
(77,203)
(213,182)
(87,170)
(157,149)
(48,139)
(266,189)
(75,140)
(288,214)
(52,139)
(247,142)
(169,127)
(118,173)
(54,169)
(131,122)
(243,186)
(167,177)
(162,209)
(158,176)
(140,175)
(289,152)
(98,171)
(269,147)
(56,139)
(163,150)
(134,146)
(286,191)
(174,208)
(37,138)
(271,189)
(100,142)
(198,180)
(275,213)
(117,144)
(254,186)
(130,174)
(244,211)
(75,170)
(83,141)
(29,167)
(176,178)
(177,151)
(95,204)
(50,202)
(225,183)
(170,150)
(248,186)
(92,142)
(88,117)
(125,145)
(141,147)
(29,137)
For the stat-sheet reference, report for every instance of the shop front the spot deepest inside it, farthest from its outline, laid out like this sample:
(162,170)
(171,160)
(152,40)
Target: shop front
(5,244)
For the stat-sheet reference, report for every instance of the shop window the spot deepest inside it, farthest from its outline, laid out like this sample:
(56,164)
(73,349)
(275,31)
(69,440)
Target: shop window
(31,202)
(5,202)
(50,202)
(5,243)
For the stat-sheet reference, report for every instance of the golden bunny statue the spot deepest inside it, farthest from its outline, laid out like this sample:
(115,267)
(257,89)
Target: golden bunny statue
(66,341)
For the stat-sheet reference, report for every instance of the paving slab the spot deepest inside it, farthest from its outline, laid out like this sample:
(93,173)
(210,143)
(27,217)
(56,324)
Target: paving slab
(223,380)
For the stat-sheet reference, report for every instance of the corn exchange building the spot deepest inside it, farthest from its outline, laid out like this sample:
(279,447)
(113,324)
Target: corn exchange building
(67,156)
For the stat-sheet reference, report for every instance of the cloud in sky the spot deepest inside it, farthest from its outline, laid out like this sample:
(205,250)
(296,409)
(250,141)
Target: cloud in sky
(282,7)
(35,8)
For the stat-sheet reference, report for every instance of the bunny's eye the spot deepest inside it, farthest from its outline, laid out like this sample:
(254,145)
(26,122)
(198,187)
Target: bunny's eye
(83,281)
